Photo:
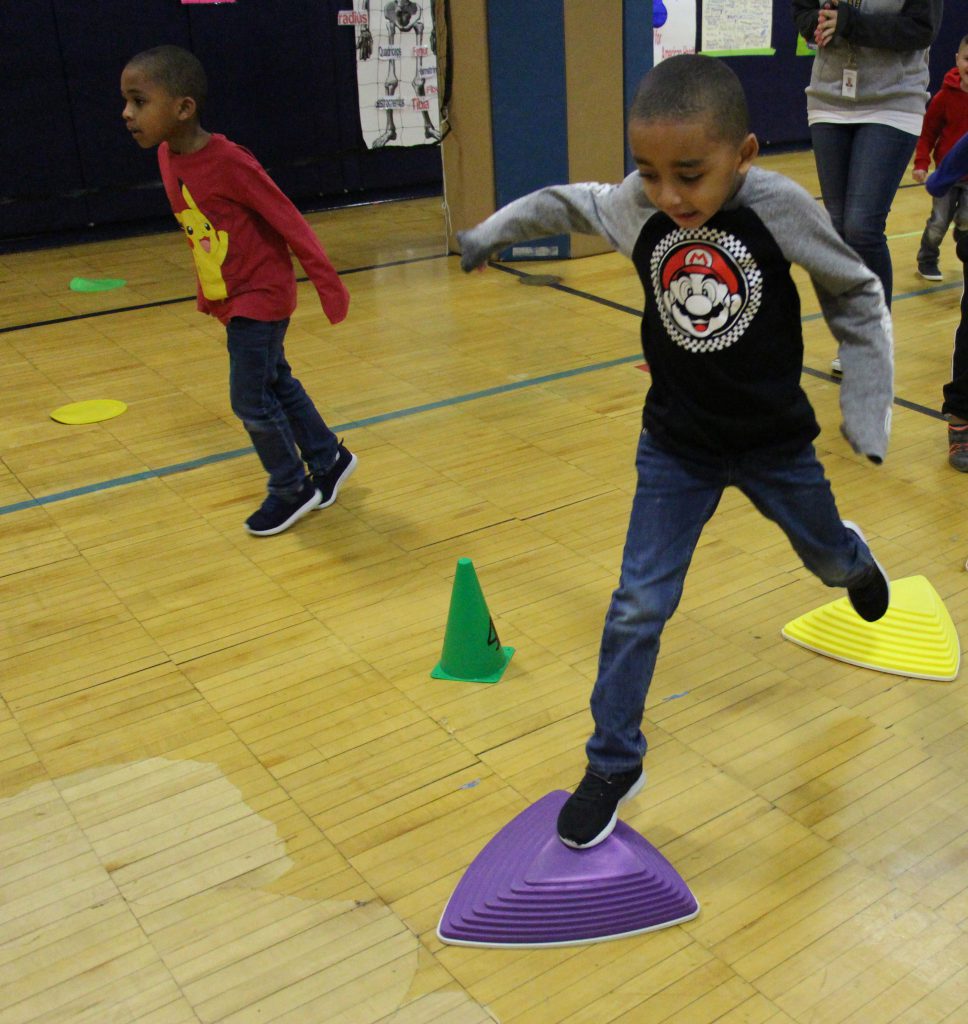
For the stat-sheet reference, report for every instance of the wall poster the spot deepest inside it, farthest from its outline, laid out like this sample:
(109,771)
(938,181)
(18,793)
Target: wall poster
(396,71)
(673,28)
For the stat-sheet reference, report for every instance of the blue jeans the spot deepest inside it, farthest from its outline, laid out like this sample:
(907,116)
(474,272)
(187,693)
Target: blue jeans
(674,499)
(953,206)
(860,167)
(280,417)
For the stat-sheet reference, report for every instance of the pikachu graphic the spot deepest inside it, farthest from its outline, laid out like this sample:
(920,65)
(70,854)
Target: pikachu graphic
(209,247)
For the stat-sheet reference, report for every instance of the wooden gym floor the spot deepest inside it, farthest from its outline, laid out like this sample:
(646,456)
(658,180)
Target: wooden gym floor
(230,790)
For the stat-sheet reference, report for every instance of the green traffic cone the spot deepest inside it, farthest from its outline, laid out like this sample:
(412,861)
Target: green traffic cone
(472,651)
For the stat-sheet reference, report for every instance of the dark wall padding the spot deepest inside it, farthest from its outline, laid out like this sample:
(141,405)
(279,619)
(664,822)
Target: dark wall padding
(282,79)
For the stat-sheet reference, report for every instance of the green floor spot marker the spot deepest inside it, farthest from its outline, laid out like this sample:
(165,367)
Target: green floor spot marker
(102,284)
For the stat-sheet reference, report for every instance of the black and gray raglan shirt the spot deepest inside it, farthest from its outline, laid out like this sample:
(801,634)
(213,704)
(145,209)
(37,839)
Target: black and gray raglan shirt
(721,330)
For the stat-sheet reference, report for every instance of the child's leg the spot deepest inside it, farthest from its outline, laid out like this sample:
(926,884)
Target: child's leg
(317,443)
(942,211)
(673,500)
(255,349)
(793,492)
(959,214)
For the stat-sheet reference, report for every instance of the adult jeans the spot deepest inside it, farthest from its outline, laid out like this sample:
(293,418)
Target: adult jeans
(280,417)
(860,167)
(956,390)
(953,206)
(674,498)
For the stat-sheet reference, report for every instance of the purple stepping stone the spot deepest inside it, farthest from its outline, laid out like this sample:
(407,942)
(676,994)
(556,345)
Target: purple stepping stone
(526,888)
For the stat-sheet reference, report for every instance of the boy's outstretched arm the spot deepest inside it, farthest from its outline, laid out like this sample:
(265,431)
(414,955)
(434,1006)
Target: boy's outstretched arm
(953,168)
(616,212)
(852,301)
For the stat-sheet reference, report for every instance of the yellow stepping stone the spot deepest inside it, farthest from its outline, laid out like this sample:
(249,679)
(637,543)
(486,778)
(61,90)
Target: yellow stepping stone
(916,636)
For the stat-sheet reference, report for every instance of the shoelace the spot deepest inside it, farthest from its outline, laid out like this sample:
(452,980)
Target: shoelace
(960,432)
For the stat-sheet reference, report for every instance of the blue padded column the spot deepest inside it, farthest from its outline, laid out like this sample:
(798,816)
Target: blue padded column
(526,45)
(636,53)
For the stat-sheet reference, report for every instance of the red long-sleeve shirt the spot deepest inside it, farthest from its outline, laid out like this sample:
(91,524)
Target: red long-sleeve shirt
(240,228)
(945,121)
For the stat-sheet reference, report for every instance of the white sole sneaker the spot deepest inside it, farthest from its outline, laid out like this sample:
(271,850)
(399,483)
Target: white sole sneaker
(340,480)
(297,514)
(854,528)
(634,790)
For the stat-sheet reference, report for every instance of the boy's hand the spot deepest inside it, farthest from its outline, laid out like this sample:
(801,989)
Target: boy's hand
(474,256)
(335,303)
(876,459)
(919,176)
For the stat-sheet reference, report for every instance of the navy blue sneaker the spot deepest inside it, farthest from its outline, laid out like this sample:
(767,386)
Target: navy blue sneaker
(276,514)
(588,816)
(870,597)
(329,483)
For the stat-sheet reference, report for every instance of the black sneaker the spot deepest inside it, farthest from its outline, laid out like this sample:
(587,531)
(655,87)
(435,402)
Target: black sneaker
(872,595)
(589,814)
(329,483)
(277,514)
(958,446)
(929,270)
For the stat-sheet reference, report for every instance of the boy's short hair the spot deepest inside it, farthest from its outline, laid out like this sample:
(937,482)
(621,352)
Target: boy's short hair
(177,70)
(964,42)
(691,86)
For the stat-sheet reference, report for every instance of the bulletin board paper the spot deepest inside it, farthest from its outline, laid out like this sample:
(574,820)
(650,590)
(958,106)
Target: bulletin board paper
(678,33)
(737,27)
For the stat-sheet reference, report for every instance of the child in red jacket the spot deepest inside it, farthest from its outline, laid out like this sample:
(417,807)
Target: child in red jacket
(945,121)
(240,228)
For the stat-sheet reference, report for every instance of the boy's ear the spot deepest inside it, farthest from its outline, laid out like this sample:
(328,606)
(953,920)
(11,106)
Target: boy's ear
(187,108)
(748,151)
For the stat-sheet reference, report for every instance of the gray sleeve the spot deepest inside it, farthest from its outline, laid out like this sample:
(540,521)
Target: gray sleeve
(616,212)
(852,301)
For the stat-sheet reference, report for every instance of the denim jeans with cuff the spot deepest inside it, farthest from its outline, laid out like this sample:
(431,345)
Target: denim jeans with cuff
(674,499)
(953,206)
(286,429)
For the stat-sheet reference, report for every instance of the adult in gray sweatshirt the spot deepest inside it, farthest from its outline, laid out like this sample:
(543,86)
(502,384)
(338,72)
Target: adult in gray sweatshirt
(865,105)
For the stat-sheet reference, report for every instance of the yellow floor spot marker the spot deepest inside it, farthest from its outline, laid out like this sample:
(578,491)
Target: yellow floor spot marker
(916,636)
(92,411)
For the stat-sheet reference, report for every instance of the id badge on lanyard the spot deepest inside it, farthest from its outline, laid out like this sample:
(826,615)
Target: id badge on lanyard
(848,83)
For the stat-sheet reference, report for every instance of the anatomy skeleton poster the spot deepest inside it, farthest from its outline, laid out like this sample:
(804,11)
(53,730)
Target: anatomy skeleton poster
(396,71)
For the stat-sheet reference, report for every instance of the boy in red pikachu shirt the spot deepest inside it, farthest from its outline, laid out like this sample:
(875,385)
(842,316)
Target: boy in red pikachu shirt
(240,228)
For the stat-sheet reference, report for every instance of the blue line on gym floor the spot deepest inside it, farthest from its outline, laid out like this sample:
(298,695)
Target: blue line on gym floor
(415,410)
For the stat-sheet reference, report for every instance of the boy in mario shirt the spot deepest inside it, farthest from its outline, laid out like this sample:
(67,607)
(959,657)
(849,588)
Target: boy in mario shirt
(240,228)
(945,122)
(713,238)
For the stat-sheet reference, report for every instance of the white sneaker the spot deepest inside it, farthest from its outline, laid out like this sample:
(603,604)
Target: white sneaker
(835,370)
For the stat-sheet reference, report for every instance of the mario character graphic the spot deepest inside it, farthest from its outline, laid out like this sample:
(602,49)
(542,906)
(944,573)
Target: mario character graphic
(703,292)
(209,247)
